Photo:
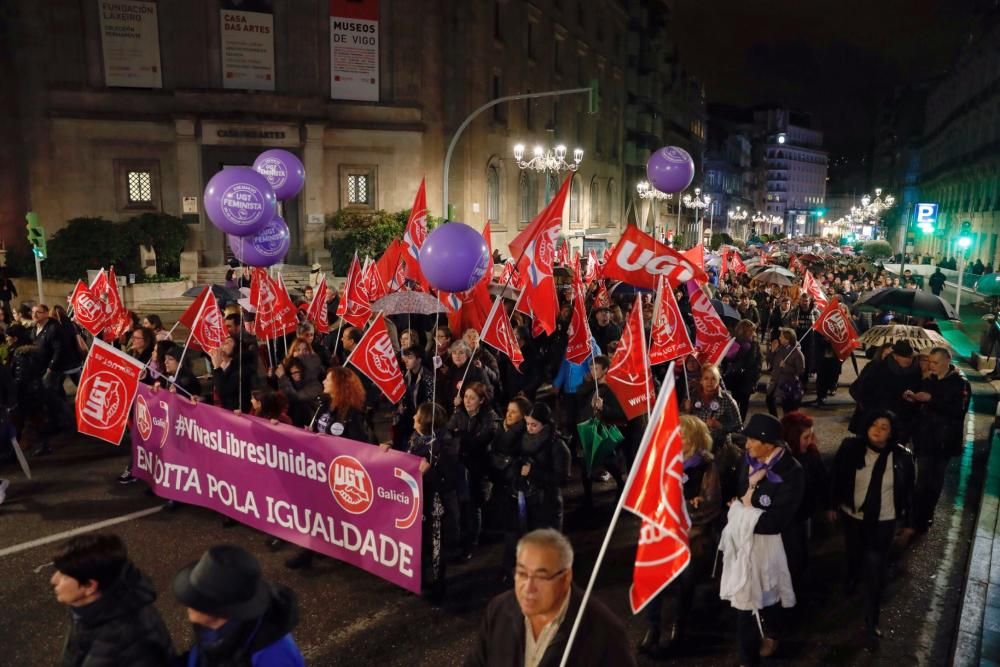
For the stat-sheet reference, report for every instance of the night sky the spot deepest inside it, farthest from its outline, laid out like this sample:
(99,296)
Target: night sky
(834,59)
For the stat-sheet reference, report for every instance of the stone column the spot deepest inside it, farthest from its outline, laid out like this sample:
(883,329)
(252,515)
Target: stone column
(190,184)
(313,219)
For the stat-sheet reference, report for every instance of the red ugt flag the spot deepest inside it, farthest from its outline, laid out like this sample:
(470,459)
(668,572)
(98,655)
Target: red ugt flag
(578,332)
(838,329)
(498,334)
(354,307)
(275,310)
(317,313)
(656,495)
(669,335)
(639,260)
(628,375)
(711,336)
(414,235)
(375,357)
(209,330)
(812,288)
(88,309)
(108,384)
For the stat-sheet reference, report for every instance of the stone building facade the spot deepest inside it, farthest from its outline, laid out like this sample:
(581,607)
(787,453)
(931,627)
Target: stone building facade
(80,138)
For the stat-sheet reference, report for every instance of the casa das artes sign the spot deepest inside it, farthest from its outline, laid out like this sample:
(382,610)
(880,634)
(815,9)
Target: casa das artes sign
(247,44)
(272,135)
(354,59)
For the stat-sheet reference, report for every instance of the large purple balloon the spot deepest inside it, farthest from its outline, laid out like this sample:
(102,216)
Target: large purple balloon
(670,169)
(239,201)
(454,257)
(266,247)
(283,170)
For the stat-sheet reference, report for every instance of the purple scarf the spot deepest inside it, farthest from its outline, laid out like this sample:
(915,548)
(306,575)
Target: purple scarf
(756,465)
(693,462)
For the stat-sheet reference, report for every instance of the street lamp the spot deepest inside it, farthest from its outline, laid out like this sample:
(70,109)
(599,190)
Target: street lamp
(553,160)
(738,216)
(647,191)
(699,202)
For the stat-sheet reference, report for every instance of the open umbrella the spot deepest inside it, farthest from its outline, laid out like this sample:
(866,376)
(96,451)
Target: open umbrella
(409,302)
(919,338)
(774,276)
(598,441)
(726,311)
(989,285)
(916,302)
(221,292)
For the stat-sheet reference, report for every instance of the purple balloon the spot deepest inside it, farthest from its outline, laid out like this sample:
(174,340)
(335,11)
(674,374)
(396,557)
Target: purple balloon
(266,247)
(283,170)
(454,257)
(239,201)
(670,169)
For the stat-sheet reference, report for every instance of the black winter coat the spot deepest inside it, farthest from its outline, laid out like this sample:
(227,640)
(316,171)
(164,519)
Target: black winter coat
(851,457)
(742,372)
(881,386)
(474,436)
(352,427)
(122,627)
(941,422)
(600,641)
(50,340)
(27,367)
(779,500)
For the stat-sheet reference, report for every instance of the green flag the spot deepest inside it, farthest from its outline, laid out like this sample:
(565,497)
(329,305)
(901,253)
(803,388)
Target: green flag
(598,440)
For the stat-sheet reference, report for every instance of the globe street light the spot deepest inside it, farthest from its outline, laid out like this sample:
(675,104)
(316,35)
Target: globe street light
(553,160)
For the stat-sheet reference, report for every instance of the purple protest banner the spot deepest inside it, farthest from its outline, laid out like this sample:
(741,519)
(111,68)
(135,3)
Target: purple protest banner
(346,499)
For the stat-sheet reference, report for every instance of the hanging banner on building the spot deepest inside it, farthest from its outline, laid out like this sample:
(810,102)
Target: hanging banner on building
(247,44)
(354,58)
(130,43)
(346,499)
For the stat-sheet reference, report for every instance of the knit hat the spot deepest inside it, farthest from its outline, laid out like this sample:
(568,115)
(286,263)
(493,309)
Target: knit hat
(902,348)
(541,412)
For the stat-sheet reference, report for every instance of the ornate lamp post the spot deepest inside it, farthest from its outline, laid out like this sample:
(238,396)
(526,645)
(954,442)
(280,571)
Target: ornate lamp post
(647,191)
(737,216)
(699,202)
(553,160)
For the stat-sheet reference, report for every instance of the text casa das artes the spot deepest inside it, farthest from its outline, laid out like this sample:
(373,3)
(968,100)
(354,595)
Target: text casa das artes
(380,548)
(238,23)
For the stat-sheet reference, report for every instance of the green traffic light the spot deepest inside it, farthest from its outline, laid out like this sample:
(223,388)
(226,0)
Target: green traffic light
(964,242)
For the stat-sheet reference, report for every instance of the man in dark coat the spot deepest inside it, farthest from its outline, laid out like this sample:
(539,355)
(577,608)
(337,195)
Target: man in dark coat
(882,385)
(545,603)
(940,434)
(114,621)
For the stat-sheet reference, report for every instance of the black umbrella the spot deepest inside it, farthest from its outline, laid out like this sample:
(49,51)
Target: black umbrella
(221,292)
(726,311)
(916,302)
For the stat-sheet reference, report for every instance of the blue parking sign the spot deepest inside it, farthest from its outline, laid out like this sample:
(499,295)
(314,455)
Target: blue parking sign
(927,217)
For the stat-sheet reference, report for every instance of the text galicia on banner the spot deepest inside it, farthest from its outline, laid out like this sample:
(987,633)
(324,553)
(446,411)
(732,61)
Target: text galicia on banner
(346,499)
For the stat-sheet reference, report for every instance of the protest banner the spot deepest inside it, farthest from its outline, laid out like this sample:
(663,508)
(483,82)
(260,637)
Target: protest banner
(346,499)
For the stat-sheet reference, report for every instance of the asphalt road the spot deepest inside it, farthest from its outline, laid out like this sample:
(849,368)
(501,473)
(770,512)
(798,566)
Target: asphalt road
(351,618)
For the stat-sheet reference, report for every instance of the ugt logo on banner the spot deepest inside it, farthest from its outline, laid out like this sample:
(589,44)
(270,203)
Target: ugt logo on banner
(108,385)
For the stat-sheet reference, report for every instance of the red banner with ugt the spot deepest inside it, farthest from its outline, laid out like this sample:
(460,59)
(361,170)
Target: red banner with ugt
(107,388)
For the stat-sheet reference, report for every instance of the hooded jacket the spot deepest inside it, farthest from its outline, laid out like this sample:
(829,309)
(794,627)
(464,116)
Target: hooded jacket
(259,642)
(122,627)
(941,425)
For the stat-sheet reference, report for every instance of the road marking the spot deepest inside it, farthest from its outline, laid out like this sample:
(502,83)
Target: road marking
(42,541)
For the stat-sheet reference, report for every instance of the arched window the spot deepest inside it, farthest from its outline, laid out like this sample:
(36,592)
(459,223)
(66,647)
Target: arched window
(610,211)
(594,195)
(493,194)
(526,187)
(575,195)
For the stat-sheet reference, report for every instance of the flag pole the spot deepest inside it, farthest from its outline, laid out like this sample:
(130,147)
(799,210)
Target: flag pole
(643,446)
(197,318)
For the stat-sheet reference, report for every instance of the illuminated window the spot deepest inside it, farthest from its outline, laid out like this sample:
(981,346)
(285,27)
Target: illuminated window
(140,187)
(357,186)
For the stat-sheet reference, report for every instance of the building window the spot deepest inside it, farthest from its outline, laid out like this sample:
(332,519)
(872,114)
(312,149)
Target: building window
(609,204)
(575,195)
(526,189)
(357,186)
(137,184)
(492,194)
(594,194)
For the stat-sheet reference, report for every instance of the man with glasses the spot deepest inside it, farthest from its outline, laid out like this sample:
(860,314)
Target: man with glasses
(531,624)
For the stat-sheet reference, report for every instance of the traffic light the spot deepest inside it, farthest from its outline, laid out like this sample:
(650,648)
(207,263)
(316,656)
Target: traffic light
(965,236)
(594,103)
(820,212)
(36,235)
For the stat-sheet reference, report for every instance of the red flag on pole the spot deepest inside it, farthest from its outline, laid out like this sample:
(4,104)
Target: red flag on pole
(488,237)
(811,287)
(275,312)
(578,331)
(108,384)
(190,313)
(711,336)
(696,256)
(209,330)
(354,307)
(601,297)
(562,254)
(628,375)
(510,275)
(737,263)
(389,264)
(473,310)
(498,334)
(535,250)
(414,235)
(375,357)
(639,260)
(724,268)
(593,270)
(656,495)
(668,334)
(317,312)
(838,329)
(371,281)
(88,309)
